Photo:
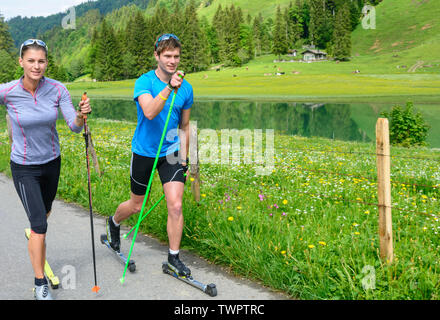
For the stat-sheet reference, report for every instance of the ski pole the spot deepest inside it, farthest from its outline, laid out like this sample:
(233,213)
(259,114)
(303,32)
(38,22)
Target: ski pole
(86,136)
(149,183)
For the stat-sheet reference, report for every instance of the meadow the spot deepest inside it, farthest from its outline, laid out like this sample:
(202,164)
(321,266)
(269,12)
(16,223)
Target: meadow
(309,229)
(325,81)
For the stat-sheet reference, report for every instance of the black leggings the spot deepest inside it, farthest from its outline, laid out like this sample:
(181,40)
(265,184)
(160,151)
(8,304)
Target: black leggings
(37,186)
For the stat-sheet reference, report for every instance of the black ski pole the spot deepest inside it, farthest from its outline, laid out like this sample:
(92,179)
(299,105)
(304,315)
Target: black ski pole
(86,136)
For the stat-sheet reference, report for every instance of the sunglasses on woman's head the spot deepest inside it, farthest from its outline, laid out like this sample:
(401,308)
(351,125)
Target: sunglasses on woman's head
(31,42)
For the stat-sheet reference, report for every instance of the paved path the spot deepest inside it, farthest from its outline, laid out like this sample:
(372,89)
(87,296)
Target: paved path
(70,256)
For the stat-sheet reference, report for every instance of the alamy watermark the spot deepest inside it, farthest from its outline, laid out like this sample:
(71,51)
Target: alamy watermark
(369,281)
(69,21)
(231,148)
(369,17)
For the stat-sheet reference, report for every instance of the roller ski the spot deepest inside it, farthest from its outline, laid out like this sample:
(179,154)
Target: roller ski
(177,269)
(112,241)
(54,280)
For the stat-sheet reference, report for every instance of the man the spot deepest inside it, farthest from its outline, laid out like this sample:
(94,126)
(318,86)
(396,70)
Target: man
(153,94)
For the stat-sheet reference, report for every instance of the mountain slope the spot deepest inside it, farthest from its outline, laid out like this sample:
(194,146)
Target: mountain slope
(23,28)
(407,34)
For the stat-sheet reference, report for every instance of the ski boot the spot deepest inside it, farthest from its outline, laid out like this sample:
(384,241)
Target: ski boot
(113,234)
(177,266)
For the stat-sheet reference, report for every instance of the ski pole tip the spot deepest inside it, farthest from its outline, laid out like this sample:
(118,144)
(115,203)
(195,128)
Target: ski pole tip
(122,280)
(96,289)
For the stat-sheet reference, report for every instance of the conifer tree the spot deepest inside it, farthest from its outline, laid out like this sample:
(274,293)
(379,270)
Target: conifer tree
(342,34)
(108,55)
(194,55)
(279,46)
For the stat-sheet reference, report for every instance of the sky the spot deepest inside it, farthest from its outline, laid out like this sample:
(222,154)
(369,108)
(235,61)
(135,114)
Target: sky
(29,8)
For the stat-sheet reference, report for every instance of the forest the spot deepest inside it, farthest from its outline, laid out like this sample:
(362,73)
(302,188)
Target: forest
(114,39)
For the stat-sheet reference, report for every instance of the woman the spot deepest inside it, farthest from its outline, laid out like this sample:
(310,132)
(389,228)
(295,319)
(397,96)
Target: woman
(33,103)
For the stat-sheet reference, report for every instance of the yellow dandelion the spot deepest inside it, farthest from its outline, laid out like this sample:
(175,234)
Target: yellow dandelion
(367,212)
(284,201)
(311,246)
(191,179)
(231,219)
(203,195)
(322,243)
(283,252)
(239,208)
(357,233)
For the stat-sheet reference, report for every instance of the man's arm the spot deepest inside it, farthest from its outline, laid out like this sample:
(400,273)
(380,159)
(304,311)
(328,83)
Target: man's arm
(151,107)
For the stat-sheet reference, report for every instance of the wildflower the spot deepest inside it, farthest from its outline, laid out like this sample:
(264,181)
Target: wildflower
(355,224)
(357,233)
(283,252)
(203,195)
(191,179)
(367,212)
(284,213)
(275,205)
(322,243)
(261,196)
(239,208)
(231,219)
(284,201)
(311,246)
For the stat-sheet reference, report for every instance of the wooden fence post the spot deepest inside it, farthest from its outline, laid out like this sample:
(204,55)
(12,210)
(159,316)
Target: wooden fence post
(93,153)
(194,160)
(384,189)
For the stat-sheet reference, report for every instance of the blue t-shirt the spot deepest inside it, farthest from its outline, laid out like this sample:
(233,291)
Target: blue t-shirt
(148,133)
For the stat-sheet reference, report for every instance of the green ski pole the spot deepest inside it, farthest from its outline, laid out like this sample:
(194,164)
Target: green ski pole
(148,186)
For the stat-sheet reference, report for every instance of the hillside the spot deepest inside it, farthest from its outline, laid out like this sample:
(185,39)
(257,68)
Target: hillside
(253,7)
(23,28)
(407,34)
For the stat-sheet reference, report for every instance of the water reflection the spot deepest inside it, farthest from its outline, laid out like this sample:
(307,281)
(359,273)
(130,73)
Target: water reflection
(333,121)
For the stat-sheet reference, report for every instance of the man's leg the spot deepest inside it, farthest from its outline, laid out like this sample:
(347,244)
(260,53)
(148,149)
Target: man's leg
(173,195)
(129,207)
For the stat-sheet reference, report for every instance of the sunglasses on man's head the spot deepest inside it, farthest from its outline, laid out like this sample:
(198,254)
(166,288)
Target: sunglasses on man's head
(31,42)
(164,37)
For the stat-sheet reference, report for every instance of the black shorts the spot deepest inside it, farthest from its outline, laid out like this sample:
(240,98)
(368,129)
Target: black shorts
(141,167)
(37,186)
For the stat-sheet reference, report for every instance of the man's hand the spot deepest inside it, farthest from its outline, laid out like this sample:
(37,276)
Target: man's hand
(177,80)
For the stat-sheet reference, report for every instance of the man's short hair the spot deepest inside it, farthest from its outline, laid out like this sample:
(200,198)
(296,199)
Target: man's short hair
(167,41)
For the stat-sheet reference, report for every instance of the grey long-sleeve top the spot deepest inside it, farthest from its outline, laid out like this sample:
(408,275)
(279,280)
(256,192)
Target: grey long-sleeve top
(33,119)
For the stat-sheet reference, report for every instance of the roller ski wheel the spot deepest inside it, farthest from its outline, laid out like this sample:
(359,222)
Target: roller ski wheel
(209,289)
(121,257)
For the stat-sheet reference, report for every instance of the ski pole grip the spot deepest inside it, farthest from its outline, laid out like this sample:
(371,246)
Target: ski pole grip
(84,98)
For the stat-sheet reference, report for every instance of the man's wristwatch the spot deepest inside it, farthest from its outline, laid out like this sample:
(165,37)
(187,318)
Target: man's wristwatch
(169,86)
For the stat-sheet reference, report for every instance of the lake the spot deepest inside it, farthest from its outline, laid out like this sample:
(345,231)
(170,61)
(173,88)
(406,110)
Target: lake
(348,122)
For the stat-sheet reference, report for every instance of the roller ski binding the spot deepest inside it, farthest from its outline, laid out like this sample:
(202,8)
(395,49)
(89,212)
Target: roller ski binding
(177,269)
(112,241)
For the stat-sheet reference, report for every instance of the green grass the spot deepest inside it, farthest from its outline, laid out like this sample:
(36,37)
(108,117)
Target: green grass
(322,81)
(303,229)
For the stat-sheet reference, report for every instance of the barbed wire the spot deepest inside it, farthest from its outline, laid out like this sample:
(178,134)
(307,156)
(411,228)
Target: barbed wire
(362,177)
(359,152)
